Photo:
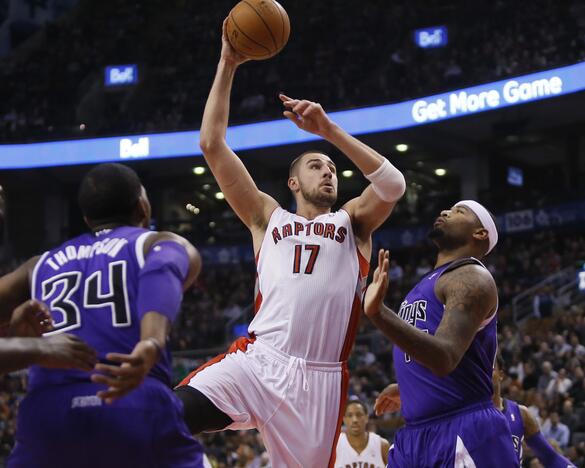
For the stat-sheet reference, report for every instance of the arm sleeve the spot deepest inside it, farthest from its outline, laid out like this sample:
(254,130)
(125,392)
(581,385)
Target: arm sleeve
(545,453)
(160,287)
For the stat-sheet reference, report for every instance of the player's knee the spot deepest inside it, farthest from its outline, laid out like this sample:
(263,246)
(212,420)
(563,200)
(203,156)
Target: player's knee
(199,412)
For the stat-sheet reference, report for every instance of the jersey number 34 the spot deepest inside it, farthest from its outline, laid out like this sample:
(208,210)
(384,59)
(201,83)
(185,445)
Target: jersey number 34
(58,292)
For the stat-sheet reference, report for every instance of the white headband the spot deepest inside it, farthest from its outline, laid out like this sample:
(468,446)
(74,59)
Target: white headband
(485,219)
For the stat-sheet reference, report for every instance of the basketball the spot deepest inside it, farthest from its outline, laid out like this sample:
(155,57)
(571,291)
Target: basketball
(258,29)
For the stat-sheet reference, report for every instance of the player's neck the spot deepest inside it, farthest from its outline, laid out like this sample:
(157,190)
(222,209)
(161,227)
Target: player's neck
(310,212)
(448,256)
(358,442)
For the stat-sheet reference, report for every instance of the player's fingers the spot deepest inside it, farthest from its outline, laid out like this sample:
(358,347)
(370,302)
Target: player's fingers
(284,98)
(122,358)
(311,109)
(290,104)
(300,107)
(380,256)
(292,117)
(385,265)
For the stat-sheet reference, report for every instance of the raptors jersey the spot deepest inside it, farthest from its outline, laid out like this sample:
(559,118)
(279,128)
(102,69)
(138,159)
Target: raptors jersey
(371,457)
(309,287)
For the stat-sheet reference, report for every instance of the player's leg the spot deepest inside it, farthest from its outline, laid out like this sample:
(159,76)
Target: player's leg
(303,432)
(200,413)
(215,396)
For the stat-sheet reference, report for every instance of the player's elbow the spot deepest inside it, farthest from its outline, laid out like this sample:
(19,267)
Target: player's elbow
(209,144)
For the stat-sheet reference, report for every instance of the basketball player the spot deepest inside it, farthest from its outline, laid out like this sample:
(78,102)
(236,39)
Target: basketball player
(289,379)
(118,288)
(358,447)
(524,426)
(445,345)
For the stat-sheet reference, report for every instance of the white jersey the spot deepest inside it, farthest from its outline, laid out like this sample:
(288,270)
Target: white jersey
(311,277)
(371,457)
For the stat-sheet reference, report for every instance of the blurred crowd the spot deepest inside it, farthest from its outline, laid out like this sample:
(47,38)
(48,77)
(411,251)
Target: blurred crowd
(343,54)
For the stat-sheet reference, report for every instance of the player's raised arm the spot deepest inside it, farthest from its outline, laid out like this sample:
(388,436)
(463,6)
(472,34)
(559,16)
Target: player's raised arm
(251,205)
(374,205)
(171,265)
(470,296)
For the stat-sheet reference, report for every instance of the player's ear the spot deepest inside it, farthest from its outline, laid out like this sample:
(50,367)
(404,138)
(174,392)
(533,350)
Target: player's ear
(142,212)
(293,184)
(481,234)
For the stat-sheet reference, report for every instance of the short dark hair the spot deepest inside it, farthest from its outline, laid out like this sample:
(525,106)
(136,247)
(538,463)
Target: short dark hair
(109,192)
(295,162)
(356,401)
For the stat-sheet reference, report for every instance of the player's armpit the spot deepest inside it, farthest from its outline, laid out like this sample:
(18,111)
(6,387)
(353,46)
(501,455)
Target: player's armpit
(470,297)
(368,212)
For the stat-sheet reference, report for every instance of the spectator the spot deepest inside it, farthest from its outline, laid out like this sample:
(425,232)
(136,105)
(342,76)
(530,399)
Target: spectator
(547,376)
(556,430)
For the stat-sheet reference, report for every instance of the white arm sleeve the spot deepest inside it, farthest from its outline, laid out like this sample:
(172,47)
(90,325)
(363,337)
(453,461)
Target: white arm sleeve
(388,182)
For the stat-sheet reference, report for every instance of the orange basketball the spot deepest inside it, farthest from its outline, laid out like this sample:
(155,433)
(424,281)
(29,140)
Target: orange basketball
(258,29)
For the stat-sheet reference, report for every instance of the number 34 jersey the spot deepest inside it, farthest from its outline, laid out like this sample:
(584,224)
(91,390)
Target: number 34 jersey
(90,284)
(311,277)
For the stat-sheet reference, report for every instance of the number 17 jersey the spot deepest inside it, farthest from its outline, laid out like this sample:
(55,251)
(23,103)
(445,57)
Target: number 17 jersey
(310,281)
(90,284)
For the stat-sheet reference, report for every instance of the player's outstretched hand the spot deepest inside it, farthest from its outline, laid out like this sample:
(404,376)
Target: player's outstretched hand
(131,372)
(377,289)
(306,115)
(30,319)
(228,53)
(66,352)
(388,400)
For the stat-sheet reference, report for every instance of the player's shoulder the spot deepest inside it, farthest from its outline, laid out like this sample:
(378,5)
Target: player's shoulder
(468,271)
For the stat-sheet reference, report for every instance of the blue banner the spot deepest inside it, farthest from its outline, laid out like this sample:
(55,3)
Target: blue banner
(511,92)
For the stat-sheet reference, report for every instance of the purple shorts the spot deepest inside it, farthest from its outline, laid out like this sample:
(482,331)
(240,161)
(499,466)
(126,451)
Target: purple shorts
(62,426)
(475,437)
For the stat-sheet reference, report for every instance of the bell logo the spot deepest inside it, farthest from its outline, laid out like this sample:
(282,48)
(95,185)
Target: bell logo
(131,149)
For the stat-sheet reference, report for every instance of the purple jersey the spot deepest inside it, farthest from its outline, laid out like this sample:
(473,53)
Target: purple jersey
(423,394)
(514,418)
(90,285)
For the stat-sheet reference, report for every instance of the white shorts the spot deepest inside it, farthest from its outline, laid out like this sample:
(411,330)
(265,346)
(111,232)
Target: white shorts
(295,404)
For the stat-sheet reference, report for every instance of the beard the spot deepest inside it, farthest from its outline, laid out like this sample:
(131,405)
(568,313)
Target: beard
(443,241)
(318,198)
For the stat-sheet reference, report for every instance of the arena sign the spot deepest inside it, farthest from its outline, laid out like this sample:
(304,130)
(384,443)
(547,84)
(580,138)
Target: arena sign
(460,103)
(488,97)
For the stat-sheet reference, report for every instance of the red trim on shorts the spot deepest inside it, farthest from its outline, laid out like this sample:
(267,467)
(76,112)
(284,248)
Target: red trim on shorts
(342,401)
(241,344)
